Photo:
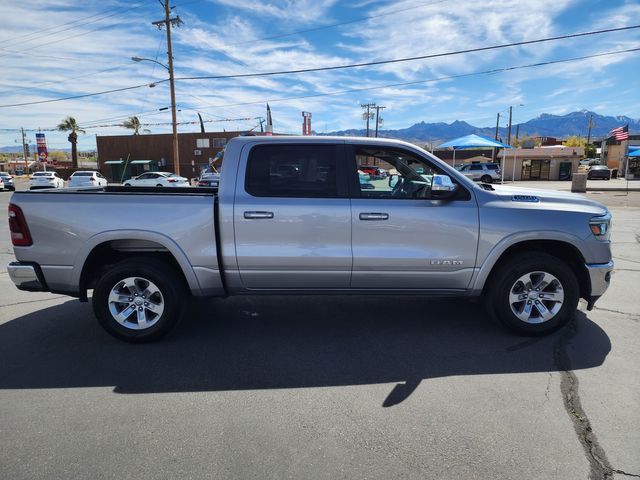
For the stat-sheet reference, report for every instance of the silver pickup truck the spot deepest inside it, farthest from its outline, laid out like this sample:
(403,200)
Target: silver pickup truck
(293,215)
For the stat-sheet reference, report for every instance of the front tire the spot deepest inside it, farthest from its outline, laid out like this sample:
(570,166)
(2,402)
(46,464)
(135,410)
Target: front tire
(486,179)
(139,300)
(533,293)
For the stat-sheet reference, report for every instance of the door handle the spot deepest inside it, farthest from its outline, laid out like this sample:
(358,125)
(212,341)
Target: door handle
(256,215)
(374,216)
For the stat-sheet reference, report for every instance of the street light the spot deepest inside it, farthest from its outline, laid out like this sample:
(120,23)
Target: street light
(174,121)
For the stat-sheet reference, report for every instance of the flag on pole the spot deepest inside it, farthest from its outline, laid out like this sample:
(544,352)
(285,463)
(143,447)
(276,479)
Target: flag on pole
(620,133)
(269,122)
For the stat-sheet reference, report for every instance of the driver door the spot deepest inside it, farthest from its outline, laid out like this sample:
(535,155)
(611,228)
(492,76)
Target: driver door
(403,237)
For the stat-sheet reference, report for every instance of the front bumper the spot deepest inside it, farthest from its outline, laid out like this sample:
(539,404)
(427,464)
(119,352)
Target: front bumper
(27,276)
(600,278)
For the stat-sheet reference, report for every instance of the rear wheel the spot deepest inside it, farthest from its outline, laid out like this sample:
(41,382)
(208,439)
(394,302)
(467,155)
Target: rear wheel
(159,185)
(127,184)
(533,293)
(139,300)
(486,179)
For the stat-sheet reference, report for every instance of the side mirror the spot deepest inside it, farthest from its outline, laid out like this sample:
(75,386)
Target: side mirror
(442,186)
(393,180)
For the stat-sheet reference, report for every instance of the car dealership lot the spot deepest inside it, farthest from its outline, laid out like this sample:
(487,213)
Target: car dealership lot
(324,387)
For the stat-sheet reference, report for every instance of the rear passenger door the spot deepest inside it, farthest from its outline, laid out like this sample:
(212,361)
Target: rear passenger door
(292,217)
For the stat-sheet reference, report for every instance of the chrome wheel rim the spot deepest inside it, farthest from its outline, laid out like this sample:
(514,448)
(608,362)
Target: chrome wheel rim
(136,303)
(536,297)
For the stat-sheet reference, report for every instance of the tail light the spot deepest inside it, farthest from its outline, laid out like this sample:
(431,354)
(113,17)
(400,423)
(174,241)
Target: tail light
(20,236)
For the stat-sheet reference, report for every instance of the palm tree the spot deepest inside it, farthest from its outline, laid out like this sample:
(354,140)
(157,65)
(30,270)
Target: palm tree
(69,124)
(132,123)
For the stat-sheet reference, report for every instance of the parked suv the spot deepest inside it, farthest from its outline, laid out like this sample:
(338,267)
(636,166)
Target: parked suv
(485,172)
(7,180)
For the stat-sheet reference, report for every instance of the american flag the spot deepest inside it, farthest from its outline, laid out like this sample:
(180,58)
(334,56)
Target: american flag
(620,133)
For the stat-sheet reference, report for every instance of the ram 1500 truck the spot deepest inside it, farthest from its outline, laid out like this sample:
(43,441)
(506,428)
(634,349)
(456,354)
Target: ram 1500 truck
(291,216)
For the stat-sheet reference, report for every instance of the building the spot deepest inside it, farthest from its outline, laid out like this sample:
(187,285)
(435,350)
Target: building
(542,163)
(123,156)
(614,153)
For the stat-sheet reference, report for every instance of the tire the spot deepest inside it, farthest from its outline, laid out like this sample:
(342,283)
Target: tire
(127,184)
(506,288)
(153,286)
(486,179)
(158,185)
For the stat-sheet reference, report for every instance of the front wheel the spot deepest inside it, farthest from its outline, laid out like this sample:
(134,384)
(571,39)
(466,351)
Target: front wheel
(139,299)
(486,179)
(533,293)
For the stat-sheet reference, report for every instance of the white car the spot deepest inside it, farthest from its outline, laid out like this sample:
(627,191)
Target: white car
(484,172)
(1,183)
(45,180)
(87,178)
(157,179)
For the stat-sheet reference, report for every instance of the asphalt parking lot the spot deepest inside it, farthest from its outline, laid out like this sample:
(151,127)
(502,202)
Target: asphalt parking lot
(324,387)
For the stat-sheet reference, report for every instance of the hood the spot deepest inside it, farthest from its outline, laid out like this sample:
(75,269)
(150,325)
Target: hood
(548,199)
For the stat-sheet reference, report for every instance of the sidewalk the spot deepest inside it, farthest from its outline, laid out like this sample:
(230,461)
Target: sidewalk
(613,185)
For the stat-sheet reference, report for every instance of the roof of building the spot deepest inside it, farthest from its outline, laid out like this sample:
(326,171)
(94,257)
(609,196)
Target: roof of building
(544,152)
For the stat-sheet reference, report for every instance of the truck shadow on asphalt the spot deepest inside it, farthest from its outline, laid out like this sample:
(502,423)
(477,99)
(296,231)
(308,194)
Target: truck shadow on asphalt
(247,343)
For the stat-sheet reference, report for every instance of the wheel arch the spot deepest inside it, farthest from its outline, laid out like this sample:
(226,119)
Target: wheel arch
(564,249)
(108,248)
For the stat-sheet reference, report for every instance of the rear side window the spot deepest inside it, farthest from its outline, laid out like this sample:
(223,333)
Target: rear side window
(492,167)
(303,171)
(476,167)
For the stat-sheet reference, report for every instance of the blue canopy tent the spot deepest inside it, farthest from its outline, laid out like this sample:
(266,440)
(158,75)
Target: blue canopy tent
(634,153)
(474,141)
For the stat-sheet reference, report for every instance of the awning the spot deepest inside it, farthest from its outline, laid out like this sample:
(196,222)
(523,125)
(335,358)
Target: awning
(114,162)
(141,162)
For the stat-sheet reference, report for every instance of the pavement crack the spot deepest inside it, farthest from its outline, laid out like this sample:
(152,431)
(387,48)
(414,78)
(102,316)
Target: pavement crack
(600,468)
(546,392)
(622,472)
(633,316)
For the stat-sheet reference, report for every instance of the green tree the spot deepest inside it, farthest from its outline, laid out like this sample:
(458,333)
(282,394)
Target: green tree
(70,125)
(574,141)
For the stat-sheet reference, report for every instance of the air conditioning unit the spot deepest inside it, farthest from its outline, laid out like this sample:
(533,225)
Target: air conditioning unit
(197,152)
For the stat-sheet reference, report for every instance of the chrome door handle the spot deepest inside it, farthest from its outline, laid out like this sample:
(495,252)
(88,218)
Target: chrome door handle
(255,215)
(374,216)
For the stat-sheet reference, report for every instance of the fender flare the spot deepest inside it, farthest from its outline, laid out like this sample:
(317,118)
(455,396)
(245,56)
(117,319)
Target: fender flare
(482,273)
(159,238)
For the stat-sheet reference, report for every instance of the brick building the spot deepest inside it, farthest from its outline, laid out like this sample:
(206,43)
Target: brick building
(123,156)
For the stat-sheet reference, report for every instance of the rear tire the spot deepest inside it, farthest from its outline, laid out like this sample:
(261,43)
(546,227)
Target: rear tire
(139,299)
(486,179)
(518,297)
(159,185)
(127,184)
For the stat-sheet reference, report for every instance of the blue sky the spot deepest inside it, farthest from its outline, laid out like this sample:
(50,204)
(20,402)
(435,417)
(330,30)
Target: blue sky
(44,56)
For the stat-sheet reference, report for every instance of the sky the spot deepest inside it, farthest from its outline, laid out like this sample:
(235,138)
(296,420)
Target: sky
(60,48)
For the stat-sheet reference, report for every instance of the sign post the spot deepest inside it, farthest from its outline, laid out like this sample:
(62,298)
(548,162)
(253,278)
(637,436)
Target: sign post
(41,144)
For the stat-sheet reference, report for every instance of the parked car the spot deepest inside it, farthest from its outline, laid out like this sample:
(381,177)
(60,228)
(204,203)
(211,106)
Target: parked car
(87,178)
(365,184)
(484,172)
(371,170)
(157,179)
(45,180)
(209,180)
(527,255)
(7,179)
(599,171)
(1,183)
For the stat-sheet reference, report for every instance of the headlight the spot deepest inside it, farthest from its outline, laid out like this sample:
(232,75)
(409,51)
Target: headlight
(601,227)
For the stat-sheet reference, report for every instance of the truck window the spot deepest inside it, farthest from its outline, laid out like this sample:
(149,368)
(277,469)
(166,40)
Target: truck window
(304,171)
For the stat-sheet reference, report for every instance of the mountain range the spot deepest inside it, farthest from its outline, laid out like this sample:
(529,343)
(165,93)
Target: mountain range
(546,125)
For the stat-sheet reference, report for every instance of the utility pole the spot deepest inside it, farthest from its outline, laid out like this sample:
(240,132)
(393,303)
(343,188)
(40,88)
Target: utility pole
(495,150)
(167,23)
(589,134)
(367,115)
(509,129)
(25,151)
(378,119)
(517,132)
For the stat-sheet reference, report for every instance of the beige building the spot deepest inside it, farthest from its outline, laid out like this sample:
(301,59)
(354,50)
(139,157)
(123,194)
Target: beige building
(541,163)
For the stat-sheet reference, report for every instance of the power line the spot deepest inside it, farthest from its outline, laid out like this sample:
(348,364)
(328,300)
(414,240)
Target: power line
(117,11)
(409,59)
(431,80)
(485,72)
(333,25)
